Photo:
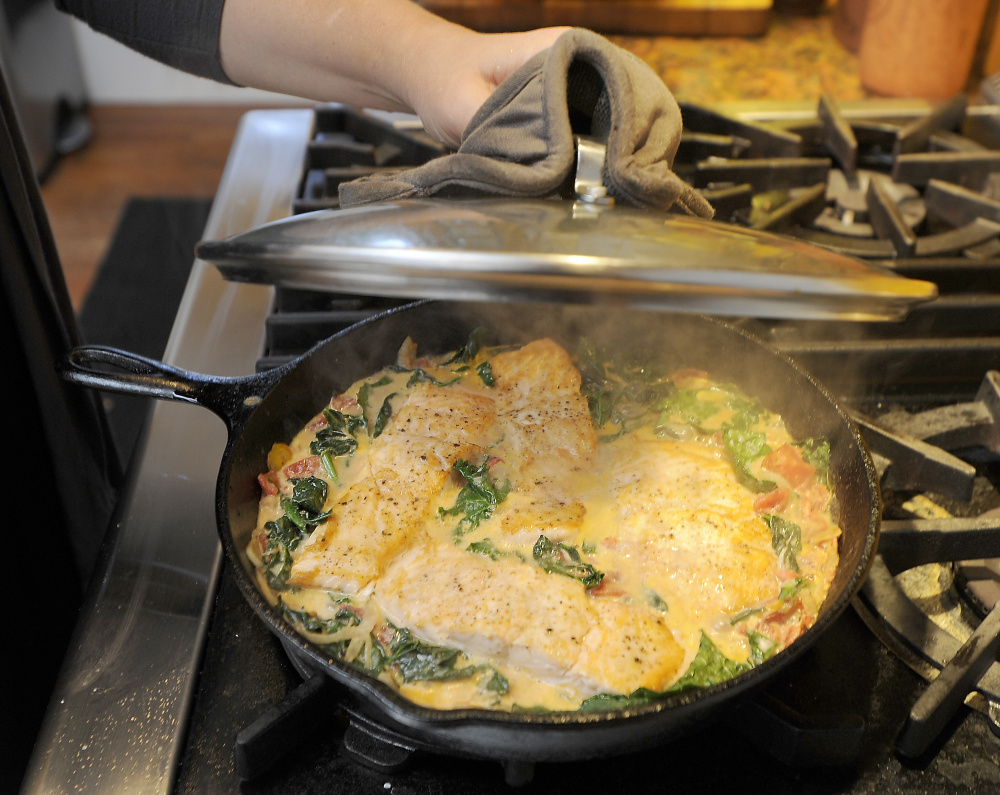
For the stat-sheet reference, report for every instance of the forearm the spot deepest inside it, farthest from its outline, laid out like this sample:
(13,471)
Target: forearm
(353,51)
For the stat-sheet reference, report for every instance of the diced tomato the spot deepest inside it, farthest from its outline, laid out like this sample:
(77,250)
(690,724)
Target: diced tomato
(603,590)
(814,499)
(608,586)
(268,484)
(785,625)
(787,461)
(773,501)
(303,467)
(341,402)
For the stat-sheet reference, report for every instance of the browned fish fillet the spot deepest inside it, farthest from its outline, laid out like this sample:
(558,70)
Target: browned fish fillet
(543,623)
(547,431)
(408,464)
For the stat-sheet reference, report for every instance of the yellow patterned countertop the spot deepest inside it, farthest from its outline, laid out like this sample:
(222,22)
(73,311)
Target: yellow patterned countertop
(798,58)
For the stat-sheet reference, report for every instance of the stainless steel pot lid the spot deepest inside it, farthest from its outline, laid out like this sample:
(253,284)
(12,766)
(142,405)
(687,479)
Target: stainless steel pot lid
(562,250)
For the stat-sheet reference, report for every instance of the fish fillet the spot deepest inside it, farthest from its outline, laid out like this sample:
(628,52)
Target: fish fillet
(408,464)
(548,435)
(543,623)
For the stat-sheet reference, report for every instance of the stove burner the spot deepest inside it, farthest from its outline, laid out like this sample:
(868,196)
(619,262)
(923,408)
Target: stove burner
(850,212)
(979,581)
(931,596)
(875,206)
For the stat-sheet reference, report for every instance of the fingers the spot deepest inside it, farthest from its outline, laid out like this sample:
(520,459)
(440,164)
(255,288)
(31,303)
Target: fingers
(512,50)
(476,65)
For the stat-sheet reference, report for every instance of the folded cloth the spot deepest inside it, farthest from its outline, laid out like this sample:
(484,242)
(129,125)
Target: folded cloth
(521,141)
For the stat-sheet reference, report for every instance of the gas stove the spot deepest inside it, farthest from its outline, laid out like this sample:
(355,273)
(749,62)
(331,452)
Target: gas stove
(173,685)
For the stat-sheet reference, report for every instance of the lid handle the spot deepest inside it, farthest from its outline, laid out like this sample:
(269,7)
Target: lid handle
(589,182)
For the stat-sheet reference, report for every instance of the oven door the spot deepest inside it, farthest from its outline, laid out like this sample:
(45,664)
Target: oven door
(119,709)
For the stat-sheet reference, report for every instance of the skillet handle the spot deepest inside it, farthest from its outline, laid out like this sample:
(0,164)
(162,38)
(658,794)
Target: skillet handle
(115,370)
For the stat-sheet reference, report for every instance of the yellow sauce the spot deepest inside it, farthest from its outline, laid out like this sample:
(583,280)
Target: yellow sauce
(684,550)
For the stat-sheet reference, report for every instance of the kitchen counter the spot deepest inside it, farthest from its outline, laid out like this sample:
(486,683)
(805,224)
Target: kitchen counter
(798,58)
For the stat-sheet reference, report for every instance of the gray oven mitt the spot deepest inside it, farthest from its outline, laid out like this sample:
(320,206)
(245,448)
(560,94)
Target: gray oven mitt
(521,141)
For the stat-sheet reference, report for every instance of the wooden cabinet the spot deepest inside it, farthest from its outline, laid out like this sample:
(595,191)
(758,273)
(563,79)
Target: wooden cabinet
(629,17)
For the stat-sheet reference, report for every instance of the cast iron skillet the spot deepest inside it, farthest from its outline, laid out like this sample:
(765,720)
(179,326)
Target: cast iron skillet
(262,409)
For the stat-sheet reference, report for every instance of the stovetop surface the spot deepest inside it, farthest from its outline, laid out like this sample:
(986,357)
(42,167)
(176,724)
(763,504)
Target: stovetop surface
(846,674)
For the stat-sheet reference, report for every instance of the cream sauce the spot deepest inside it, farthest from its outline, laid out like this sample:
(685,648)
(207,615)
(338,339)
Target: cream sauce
(683,546)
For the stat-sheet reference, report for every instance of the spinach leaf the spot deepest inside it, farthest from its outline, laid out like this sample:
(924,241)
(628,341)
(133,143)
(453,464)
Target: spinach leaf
(709,667)
(285,532)
(384,414)
(277,562)
(686,405)
(609,701)
(309,497)
(469,351)
(559,558)
(492,681)
(421,376)
(745,446)
(338,438)
(793,588)
(352,423)
(786,538)
(619,393)
(328,464)
(595,385)
(344,617)
(415,661)
(305,507)
(303,511)
(816,452)
(486,547)
(485,371)
(654,600)
(364,396)
(478,498)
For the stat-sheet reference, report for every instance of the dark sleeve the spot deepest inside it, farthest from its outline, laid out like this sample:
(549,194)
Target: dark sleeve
(183,34)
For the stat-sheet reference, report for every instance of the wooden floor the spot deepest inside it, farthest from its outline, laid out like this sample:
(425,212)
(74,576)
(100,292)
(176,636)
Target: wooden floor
(135,151)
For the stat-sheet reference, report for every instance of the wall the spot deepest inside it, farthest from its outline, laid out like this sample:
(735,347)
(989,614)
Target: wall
(114,74)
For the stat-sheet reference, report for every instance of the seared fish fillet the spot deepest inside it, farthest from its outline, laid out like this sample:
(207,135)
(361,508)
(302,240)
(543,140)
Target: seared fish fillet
(547,431)
(688,527)
(543,623)
(408,464)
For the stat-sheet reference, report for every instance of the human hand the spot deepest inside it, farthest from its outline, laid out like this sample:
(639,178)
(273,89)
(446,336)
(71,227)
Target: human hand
(462,68)
(385,54)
